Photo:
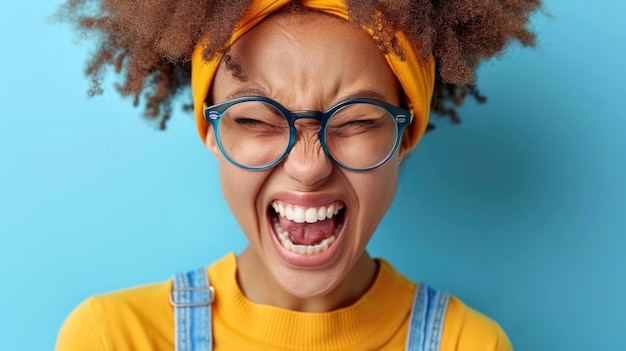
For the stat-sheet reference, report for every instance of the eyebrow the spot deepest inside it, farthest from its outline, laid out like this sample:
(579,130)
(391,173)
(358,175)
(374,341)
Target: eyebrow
(369,94)
(246,92)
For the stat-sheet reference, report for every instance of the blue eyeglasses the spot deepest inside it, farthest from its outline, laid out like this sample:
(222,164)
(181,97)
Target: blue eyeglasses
(256,133)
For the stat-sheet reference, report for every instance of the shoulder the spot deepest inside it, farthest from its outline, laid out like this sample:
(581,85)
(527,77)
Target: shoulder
(464,329)
(468,329)
(119,320)
(139,318)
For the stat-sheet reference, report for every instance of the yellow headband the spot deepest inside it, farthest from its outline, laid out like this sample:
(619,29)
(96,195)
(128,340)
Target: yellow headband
(416,79)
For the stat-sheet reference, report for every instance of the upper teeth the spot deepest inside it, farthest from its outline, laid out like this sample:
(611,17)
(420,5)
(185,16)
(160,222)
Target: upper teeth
(301,214)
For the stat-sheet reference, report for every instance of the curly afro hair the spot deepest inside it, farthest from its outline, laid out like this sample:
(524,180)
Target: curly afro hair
(150,45)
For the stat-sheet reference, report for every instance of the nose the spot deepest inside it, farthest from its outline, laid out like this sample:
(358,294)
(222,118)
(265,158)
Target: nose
(307,162)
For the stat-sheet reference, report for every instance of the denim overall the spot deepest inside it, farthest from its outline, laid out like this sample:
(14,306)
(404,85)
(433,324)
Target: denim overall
(192,295)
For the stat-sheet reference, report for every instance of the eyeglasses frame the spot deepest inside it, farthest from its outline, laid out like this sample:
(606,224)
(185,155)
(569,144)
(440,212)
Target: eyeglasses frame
(401,117)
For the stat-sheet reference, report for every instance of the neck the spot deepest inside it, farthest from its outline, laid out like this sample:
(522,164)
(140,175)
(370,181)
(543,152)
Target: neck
(260,287)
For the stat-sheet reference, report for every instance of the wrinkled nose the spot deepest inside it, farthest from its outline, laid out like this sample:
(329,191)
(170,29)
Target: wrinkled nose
(307,162)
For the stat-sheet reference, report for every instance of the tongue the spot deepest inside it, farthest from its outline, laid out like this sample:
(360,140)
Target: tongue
(308,233)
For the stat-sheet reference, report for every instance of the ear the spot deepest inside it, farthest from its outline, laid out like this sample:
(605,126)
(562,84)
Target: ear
(405,145)
(211,143)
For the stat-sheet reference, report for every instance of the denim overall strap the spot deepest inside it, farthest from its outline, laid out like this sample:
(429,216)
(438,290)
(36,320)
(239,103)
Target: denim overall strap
(191,297)
(427,318)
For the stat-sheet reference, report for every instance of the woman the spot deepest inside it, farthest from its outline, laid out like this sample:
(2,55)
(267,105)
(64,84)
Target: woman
(309,108)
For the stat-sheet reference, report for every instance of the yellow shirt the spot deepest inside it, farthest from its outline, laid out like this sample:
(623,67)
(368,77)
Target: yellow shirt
(142,319)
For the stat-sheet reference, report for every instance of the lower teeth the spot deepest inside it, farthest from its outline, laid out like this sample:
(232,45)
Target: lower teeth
(303,249)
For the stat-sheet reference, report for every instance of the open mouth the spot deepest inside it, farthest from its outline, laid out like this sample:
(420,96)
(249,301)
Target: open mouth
(307,230)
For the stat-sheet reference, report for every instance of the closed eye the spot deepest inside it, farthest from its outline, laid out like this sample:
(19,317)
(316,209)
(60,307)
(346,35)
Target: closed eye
(360,122)
(249,122)
(253,125)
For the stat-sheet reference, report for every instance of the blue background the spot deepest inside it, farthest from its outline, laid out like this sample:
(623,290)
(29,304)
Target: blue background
(519,211)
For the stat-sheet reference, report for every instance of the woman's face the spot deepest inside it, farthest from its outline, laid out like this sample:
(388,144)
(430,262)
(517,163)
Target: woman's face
(306,62)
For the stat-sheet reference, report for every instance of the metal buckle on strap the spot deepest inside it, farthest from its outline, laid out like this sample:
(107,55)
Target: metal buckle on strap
(208,289)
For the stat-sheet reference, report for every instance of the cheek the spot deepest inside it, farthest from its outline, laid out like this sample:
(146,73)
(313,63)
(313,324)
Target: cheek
(241,189)
(375,192)
(386,180)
